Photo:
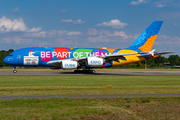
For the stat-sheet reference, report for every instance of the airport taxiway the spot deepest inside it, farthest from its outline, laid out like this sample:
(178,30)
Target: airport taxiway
(121,73)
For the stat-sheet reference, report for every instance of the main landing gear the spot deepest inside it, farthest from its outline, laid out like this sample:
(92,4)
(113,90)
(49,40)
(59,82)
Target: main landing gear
(84,71)
(14,71)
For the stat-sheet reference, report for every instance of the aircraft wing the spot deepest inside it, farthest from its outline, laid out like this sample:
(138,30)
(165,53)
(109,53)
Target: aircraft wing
(82,61)
(155,54)
(107,58)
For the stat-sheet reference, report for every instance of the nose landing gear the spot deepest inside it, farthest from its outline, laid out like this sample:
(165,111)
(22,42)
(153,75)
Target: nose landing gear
(14,71)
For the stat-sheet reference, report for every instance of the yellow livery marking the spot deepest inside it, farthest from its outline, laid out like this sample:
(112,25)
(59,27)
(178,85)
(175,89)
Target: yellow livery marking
(126,51)
(129,58)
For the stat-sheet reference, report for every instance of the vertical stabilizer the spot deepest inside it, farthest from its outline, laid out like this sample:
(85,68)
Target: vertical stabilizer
(146,40)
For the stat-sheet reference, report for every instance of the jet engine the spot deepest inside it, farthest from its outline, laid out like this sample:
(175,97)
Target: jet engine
(94,62)
(67,64)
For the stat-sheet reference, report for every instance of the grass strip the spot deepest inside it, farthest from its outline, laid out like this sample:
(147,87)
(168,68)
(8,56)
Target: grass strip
(113,108)
(84,85)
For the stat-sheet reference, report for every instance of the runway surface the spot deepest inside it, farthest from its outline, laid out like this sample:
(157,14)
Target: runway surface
(90,96)
(121,73)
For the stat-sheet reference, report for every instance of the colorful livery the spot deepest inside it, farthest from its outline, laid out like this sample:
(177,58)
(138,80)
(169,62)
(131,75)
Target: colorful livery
(87,58)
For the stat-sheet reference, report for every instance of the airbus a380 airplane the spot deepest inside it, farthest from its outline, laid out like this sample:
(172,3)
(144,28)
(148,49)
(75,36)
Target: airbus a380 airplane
(87,58)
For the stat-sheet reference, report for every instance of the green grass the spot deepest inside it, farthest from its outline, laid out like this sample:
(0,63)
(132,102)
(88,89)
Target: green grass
(113,108)
(83,85)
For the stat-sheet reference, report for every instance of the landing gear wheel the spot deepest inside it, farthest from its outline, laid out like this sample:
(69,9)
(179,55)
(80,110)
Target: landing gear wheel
(84,71)
(92,71)
(77,71)
(14,71)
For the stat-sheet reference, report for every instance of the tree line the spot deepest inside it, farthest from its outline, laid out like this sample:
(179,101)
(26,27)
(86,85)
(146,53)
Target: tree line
(172,60)
(160,61)
(3,54)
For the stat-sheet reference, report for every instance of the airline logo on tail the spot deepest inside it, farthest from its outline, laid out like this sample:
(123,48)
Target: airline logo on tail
(146,40)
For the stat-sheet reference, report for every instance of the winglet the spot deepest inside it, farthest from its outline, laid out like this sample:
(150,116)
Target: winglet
(152,52)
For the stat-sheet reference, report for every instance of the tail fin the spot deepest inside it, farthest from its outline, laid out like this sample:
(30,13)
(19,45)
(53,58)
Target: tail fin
(146,40)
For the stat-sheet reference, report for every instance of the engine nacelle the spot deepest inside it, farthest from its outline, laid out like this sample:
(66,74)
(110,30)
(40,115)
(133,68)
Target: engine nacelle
(94,62)
(67,64)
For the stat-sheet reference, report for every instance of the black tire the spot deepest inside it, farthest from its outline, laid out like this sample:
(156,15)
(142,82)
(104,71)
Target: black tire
(92,71)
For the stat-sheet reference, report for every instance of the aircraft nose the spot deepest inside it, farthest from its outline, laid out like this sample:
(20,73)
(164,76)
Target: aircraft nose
(7,60)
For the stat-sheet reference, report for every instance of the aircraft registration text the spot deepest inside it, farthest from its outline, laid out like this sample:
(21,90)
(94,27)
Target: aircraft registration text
(31,60)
